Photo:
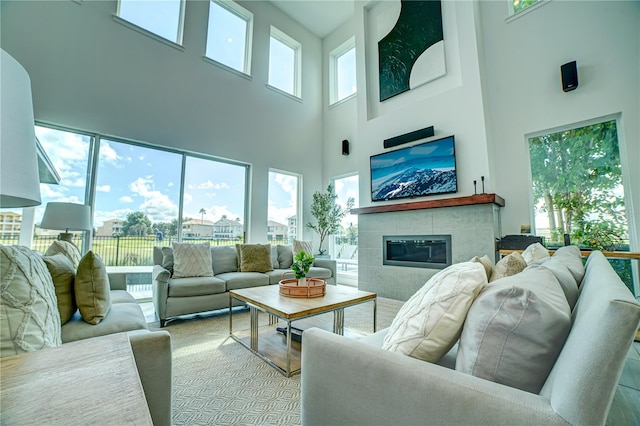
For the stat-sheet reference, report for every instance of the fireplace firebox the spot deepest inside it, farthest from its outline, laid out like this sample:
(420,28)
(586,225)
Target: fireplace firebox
(418,251)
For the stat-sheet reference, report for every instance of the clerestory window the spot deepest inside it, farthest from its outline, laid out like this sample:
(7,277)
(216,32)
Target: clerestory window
(164,18)
(342,72)
(229,35)
(285,63)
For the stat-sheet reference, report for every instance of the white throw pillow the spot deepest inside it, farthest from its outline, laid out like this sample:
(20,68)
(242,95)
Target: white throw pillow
(430,322)
(299,246)
(509,265)
(192,260)
(534,252)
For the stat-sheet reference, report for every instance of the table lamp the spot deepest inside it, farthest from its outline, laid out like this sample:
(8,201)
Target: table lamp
(67,216)
(19,179)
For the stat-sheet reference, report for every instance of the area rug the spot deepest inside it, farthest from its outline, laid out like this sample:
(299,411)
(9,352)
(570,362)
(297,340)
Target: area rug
(218,381)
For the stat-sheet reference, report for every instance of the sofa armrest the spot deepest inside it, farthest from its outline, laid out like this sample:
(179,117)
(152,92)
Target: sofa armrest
(117,280)
(160,288)
(329,264)
(390,388)
(152,352)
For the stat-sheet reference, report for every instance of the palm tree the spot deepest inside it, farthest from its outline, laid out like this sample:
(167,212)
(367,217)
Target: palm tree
(202,213)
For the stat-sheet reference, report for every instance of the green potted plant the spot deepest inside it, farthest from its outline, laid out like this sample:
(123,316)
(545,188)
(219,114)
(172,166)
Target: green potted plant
(301,264)
(328,214)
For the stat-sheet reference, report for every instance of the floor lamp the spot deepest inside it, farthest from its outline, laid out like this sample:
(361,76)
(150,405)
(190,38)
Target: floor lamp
(67,216)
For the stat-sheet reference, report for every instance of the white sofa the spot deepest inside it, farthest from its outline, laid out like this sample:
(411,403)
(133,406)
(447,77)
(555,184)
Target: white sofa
(355,382)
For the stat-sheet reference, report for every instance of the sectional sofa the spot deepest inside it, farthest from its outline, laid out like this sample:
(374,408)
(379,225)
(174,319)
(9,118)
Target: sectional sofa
(386,387)
(173,296)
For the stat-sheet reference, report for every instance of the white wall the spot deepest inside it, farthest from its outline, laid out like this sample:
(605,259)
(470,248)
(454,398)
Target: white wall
(92,73)
(521,75)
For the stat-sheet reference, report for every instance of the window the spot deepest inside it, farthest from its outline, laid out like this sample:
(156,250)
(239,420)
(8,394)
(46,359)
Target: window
(284,63)
(229,35)
(342,71)
(577,190)
(160,17)
(283,209)
(345,242)
(520,5)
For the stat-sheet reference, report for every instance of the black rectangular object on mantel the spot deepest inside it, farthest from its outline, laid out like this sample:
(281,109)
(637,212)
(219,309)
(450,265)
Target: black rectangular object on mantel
(518,242)
(427,132)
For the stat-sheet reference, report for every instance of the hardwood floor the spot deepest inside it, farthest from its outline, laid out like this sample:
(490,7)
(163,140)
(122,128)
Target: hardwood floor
(625,409)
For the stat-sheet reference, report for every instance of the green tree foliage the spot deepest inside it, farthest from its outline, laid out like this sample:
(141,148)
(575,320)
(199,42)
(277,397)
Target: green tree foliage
(136,223)
(577,174)
(328,214)
(520,5)
(169,229)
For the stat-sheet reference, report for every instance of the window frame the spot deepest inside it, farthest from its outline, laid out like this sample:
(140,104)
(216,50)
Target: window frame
(136,27)
(334,72)
(296,46)
(244,14)
(512,14)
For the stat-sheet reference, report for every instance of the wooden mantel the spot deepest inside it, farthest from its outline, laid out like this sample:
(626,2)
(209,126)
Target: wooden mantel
(433,204)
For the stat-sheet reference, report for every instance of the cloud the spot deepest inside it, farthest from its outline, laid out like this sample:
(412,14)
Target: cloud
(108,154)
(288,183)
(156,205)
(210,185)
(170,184)
(188,198)
(125,199)
(103,188)
(280,214)
(101,216)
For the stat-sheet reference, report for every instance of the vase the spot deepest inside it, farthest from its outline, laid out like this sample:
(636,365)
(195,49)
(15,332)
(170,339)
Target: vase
(302,282)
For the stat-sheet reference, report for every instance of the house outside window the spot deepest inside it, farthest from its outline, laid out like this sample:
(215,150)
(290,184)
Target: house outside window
(342,72)
(229,35)
(283,207)
(163,18)
(285,63)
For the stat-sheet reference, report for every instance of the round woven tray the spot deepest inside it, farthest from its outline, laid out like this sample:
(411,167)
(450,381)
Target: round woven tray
(315,288)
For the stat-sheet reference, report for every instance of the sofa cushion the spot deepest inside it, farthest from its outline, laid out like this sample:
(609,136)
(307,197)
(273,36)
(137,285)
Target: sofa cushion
(535,252)
(508,265)
(122,317)
(66,248)
(486,263)
(318,272)
(429,323)
(285,257)
(191,260)
(278,274)
(63,275)
(564,277)
(237,280)
(224,259)
(29,316)
(92,289)
(195,286)
(571,257)
(121,296)
(299,246)
(515,330)
(255,258)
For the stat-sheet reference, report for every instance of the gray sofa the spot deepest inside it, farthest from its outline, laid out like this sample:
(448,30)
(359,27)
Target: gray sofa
(173,297)
(385,388)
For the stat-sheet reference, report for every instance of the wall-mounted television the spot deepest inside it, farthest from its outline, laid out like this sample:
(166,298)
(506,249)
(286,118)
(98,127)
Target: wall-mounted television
(424,169)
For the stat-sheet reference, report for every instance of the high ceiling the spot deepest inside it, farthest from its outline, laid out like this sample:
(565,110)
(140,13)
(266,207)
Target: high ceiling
(320,17)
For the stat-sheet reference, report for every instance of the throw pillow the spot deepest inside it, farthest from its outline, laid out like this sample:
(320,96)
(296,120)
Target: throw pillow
(192,260)
(92,288)
(299,246)
(274,258)
(508,265)
(66,248)
(564,277)
(285,256)
(255,258)
(167,259)
(486,263)
(570,256)
(515,330)
(63,275)
(28,313)
(429,323)
(224,259)
(534,252)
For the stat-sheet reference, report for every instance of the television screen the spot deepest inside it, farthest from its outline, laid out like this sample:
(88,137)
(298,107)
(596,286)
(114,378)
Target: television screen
(424,169)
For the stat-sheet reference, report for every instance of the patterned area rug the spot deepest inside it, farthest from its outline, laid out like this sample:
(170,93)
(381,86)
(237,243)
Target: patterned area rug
(218,381)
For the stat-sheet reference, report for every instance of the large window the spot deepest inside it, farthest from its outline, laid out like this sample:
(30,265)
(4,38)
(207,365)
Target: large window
(229,35)
(518,6)
(342,71)
(345,242)
(578,192)
(284,63)
(160,17)
(283,209)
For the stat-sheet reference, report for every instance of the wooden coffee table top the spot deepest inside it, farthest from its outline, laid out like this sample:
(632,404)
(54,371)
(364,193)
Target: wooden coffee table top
(269,299)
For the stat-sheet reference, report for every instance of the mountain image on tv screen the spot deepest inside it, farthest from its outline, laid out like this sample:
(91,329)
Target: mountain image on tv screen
(424,169)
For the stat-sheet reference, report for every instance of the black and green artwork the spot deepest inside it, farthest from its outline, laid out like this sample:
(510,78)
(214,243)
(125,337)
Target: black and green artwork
(419,27)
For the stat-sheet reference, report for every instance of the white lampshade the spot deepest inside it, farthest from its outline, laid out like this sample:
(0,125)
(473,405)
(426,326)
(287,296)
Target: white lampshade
(19,180)
(68,216)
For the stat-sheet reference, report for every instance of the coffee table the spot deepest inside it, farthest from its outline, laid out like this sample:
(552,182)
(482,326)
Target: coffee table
(268,299)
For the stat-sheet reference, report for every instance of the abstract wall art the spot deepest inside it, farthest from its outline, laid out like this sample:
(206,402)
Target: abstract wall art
(412,53)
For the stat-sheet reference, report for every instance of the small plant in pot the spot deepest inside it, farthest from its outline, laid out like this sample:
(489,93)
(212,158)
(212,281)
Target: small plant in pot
(301,264)
(328,214)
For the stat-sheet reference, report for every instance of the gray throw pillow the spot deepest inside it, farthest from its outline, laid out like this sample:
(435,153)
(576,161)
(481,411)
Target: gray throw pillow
(515,330)
(285,256)
(167,259)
